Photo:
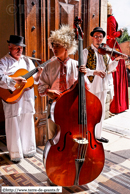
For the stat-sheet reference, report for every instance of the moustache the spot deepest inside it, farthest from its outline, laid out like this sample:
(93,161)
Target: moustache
(19,52)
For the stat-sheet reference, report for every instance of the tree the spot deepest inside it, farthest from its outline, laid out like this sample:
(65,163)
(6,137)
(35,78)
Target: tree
(125,36)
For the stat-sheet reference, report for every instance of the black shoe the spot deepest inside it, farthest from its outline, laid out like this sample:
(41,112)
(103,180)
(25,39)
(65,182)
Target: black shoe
(29,155)
(16,161)
(104,140)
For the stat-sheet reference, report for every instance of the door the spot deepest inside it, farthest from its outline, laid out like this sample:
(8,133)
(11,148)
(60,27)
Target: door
(35,20)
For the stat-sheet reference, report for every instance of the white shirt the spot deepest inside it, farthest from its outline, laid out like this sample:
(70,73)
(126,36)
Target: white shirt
(8,66)
(50,77)
(99,84)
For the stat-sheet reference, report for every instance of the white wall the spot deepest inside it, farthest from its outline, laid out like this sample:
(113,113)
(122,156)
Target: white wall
(103,21)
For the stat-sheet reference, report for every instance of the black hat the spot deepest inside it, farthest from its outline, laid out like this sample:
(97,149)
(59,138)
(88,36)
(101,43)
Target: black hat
(17,40)
(98,29)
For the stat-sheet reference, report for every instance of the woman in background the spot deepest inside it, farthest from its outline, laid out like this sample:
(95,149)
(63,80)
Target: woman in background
(120,99)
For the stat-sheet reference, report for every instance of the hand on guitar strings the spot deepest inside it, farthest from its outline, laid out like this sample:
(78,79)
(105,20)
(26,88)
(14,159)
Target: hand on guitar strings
(20,81)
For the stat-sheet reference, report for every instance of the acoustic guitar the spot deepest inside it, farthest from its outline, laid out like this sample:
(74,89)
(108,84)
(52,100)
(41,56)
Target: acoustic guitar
(12,97)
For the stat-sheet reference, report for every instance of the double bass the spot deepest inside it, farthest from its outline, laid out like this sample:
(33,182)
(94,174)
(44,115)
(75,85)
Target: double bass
(73,156)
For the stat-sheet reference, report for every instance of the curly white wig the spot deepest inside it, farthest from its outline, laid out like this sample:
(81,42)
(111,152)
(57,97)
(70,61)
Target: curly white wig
(65,36)
(109,8)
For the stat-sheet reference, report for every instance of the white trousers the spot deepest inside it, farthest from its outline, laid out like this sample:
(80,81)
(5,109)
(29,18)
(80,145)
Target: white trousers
(98,128)
(20,135)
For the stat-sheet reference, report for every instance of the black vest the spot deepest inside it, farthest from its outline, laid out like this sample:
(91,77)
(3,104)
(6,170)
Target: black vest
(92,60)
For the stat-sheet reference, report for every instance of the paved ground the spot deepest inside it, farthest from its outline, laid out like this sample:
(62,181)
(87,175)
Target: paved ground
(115,177)
(117,130)
(120,123)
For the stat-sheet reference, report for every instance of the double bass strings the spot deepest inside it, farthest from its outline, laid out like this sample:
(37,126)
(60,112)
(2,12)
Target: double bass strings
(82,147)
(85,124)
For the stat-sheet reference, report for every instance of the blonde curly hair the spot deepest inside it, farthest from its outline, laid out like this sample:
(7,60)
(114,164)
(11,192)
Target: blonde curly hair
(65,36)
(109,8)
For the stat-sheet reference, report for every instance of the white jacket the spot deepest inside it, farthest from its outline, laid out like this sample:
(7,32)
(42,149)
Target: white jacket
(8,66)
(99,84)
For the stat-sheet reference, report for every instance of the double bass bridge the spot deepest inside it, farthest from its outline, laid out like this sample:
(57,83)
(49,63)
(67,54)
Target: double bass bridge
(81,140)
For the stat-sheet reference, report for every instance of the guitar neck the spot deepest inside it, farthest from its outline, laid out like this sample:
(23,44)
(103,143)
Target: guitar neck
(29,74)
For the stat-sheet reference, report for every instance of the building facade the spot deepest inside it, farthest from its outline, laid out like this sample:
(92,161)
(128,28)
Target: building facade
(35,20)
